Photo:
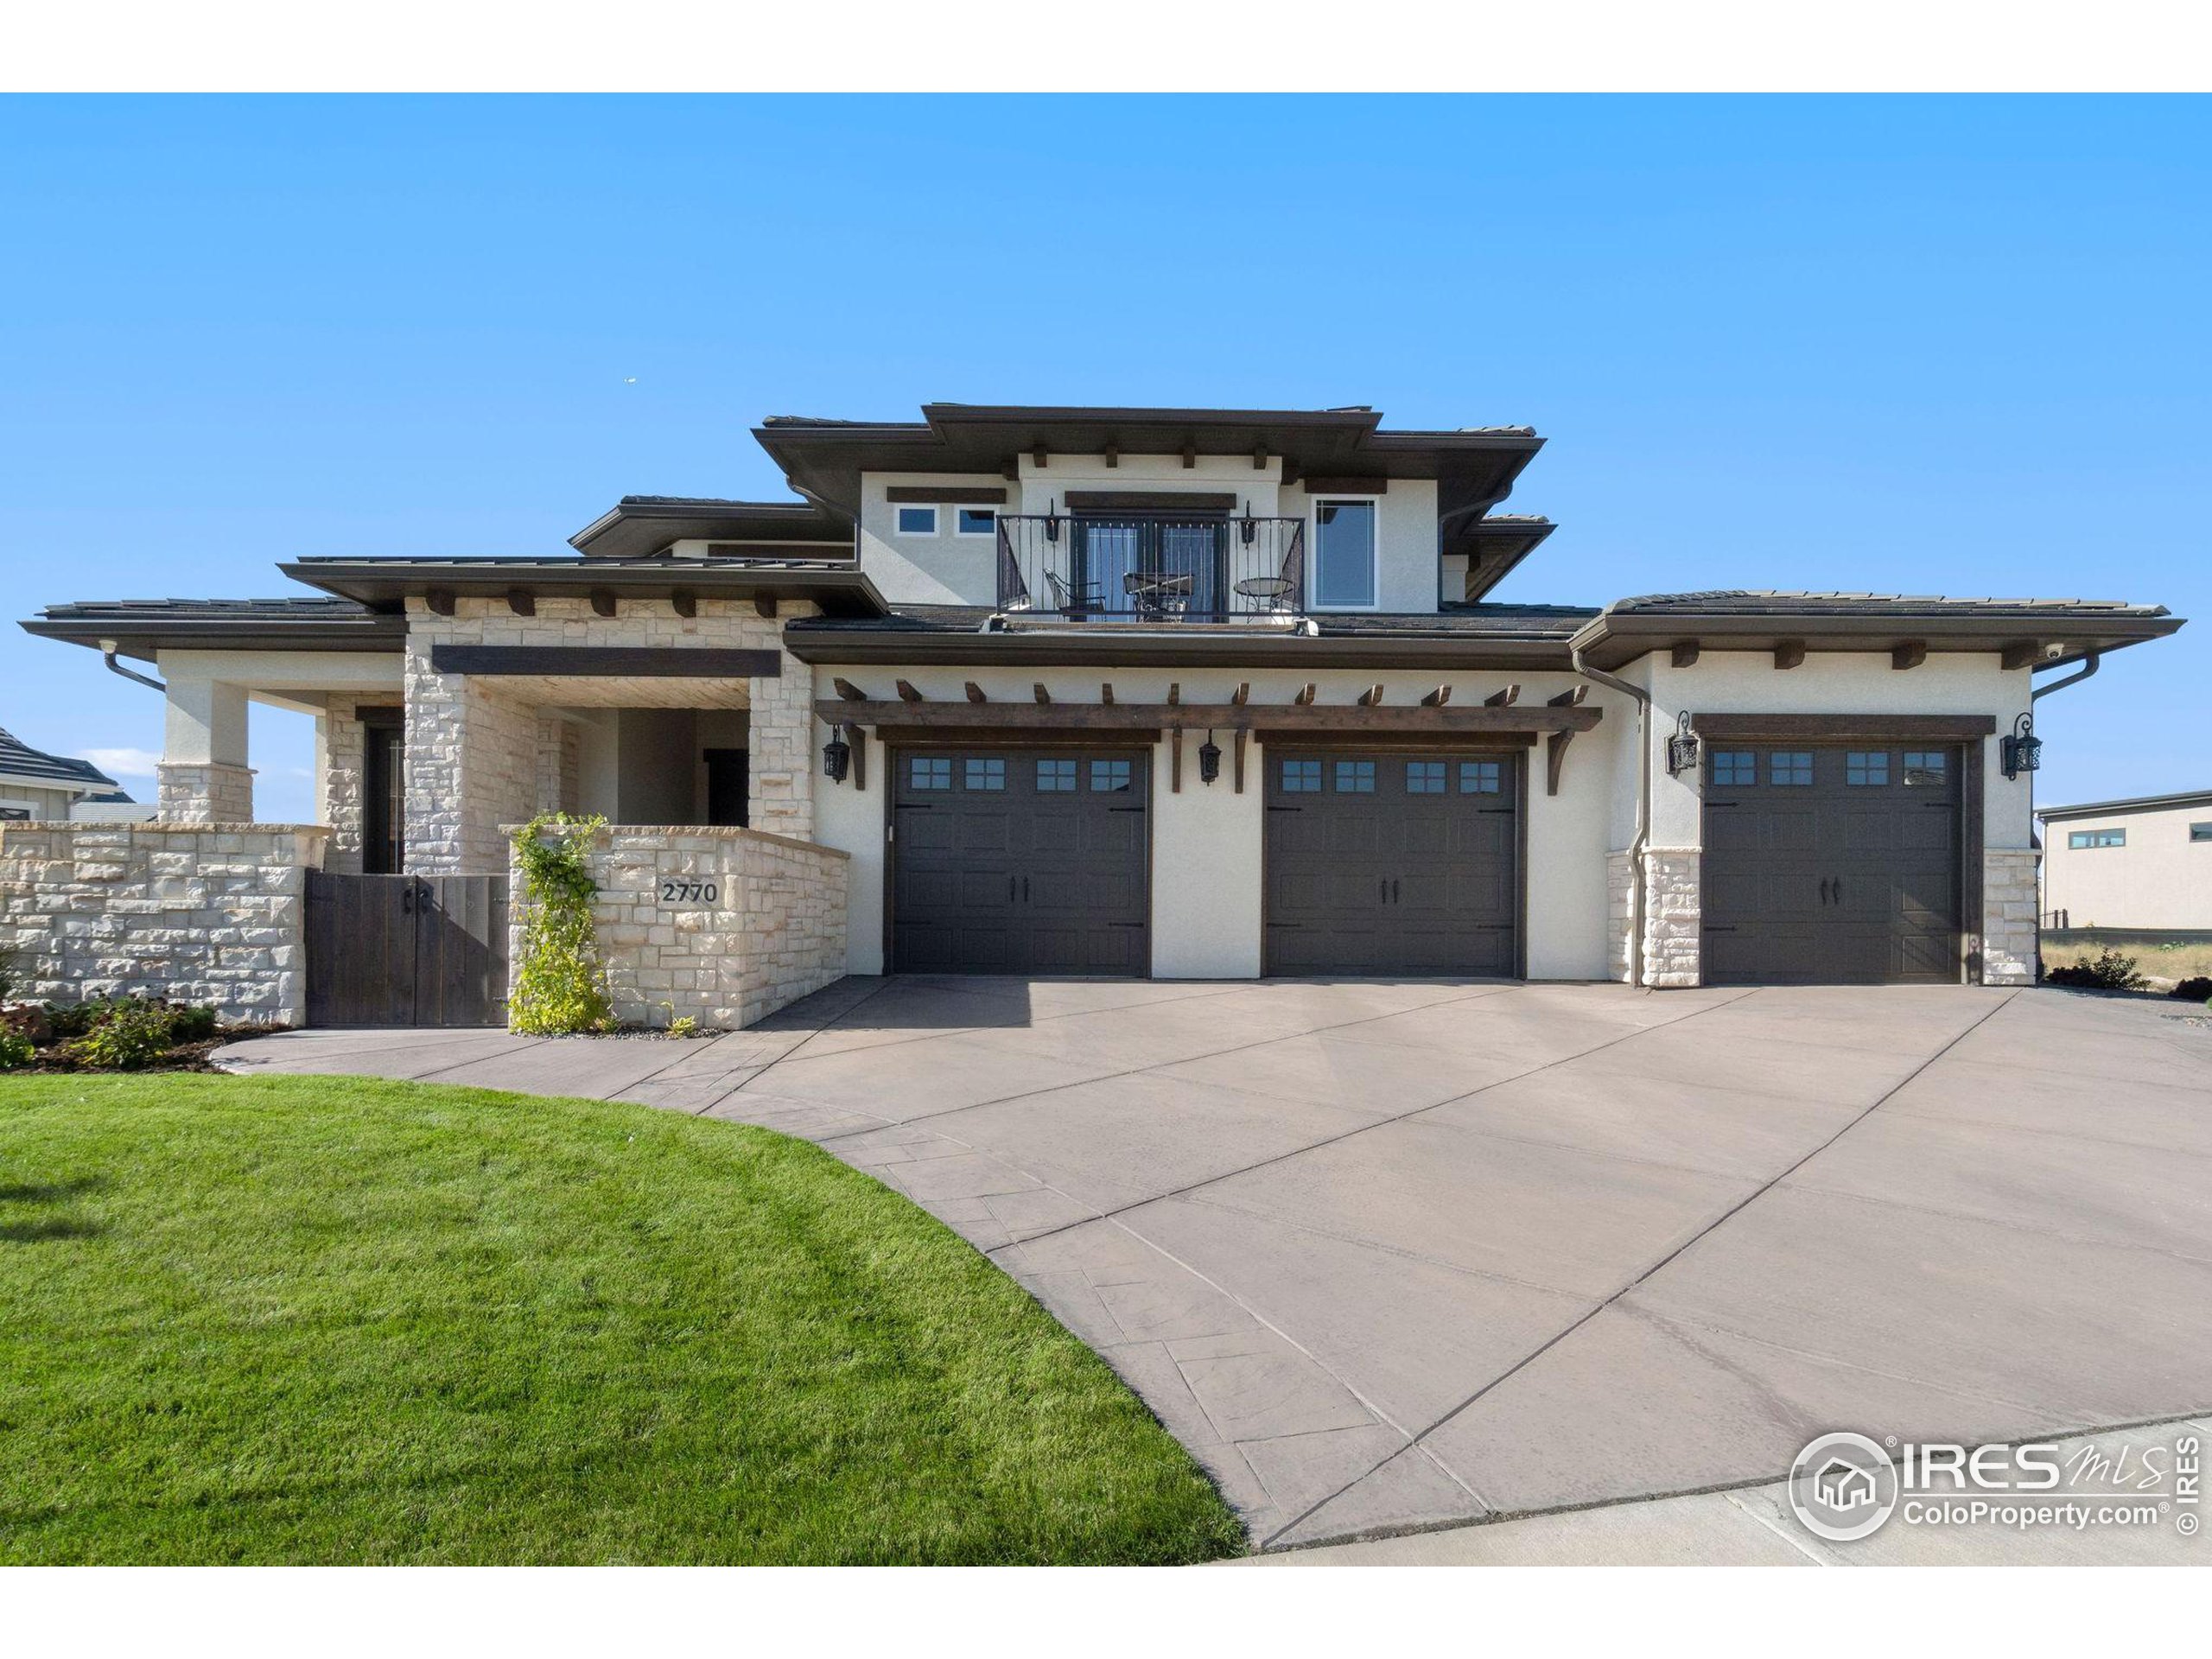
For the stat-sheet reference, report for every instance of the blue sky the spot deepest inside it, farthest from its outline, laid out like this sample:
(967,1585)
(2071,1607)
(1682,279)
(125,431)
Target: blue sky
(1951,346)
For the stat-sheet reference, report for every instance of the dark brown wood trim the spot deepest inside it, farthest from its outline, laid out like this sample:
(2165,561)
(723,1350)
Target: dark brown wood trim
(1556,758)
(522,601)
(1104,717)
(908,693)
(1008,737)
(2025,654)
(384,715)
(1343,485)
(1175,761)
(1911,654)
(573,662)
(764,606)
(683,603)
(603,601)
(1291,738)
(1504,697)
(1236,740)
(858,739)
(975,693)
(955,495)
(1955,728)
(1149,501)
(1789,653)
(847,690)
(1684,653)
(440,600)
(1972,820)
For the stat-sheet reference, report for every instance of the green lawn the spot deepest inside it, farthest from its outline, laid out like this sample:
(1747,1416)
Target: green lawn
(326,1319)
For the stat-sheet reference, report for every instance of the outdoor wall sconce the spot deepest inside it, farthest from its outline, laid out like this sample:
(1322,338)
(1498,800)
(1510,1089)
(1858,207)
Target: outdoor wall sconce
(2023,750)
(1208,760)
(1681,747)
(1052,519)
(837,757)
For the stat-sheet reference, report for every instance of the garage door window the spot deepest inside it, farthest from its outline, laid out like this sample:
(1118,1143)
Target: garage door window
(1735,767)
(930,772)
(1479,777)
(1862,768)
(1790,768)
(1926,766)
(1107,776)
(1424,777)
(986,774)
(1055,776)
(1302,777)
(1355,777)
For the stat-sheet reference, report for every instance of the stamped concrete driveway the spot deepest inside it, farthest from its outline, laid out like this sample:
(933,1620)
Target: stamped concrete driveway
(1390,1255)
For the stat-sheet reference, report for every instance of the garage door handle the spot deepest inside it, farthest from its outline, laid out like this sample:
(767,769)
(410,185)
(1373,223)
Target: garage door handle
(1824,889)
(1025,889)
(1838,890)
(1012,883)
(1394,889)
(1384,895)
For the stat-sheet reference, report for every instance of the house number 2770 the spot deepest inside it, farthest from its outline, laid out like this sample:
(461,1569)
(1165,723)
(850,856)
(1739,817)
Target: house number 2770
(689,892)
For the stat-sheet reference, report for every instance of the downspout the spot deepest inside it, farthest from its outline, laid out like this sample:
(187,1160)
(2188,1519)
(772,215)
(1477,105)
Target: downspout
(1636,848)
(2036,694)
(108,648)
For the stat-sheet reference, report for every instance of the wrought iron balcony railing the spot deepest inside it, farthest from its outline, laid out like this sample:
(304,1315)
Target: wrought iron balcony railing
(1153,568)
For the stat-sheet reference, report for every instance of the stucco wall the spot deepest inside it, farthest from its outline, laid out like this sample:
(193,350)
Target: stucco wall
(753,921)
(2159,879)
(203,913)
(39,803)
(1206,844)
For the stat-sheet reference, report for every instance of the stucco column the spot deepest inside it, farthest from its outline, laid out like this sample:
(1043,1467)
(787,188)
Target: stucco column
(203,777)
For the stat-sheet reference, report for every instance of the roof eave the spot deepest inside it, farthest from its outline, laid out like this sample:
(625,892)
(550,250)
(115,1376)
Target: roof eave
(1613,640)
(1271,652)
(143,638)
(840,589)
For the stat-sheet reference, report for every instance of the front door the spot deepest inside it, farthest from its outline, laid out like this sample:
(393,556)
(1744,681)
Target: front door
(1382,862)
(1020,861)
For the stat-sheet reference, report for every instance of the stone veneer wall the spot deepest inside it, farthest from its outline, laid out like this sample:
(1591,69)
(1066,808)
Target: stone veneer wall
(473,753)
(773,931)
(1620,883)
(1673,917)
(2008,925)
(344,787)
(202,913)
(560,764)
(211,792)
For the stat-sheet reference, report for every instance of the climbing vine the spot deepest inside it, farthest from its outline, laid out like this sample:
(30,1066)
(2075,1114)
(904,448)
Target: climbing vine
(560,983)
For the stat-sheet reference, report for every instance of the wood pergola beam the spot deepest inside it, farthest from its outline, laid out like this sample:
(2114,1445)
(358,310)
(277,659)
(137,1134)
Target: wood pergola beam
(1131,716)
(975,693)
(1504,697)
(1437,698)
(908,693)
(849,691)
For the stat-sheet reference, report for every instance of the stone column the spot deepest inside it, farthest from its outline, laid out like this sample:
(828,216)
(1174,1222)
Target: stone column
(2009,907)
(203,777)
(472,767)
(782,747)
(1673,917)
(560,764)
(343,791)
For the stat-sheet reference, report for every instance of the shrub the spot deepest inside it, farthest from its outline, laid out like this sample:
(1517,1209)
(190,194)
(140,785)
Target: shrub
(15,1051)
(2110,972)
(191,1024)
(2198,990)
(132,1032)
(560,982)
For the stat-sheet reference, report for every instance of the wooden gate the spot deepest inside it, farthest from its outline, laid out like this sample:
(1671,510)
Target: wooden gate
(406,950)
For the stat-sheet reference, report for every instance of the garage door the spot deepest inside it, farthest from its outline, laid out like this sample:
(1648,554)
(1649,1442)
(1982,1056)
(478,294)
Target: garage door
(1832,865)
(1391,863)
(1019,861)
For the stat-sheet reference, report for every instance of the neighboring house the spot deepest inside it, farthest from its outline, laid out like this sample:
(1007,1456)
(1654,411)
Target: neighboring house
(35,785)
(2143,863)
(1168,692)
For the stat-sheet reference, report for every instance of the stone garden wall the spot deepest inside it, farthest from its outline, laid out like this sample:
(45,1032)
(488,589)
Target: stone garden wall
(723,925)
(203,913)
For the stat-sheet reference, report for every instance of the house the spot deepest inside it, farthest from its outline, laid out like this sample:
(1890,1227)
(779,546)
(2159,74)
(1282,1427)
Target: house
(1843,1486)
(2143,863)
(1176,692)
(34,784)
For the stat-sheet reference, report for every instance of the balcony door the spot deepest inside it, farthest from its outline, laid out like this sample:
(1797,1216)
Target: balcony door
(1132,560)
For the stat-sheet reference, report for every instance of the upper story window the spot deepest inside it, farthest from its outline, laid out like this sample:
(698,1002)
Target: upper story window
(975,521)
(1344,555)
(917,521)
(2097,838)
(2200,832)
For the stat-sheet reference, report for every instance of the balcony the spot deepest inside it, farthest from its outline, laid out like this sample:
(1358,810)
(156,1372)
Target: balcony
(1152,567)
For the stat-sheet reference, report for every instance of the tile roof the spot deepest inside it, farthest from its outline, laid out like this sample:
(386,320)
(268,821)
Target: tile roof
(19,759)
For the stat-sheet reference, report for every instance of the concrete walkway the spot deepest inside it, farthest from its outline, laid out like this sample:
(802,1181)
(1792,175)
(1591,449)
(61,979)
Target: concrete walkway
(1392,1256)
